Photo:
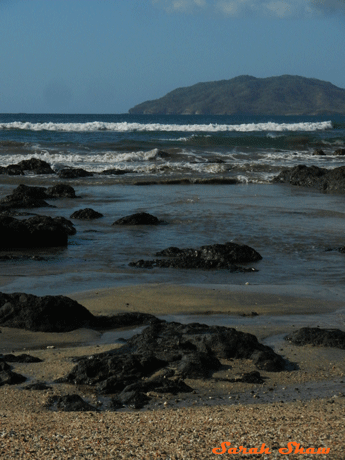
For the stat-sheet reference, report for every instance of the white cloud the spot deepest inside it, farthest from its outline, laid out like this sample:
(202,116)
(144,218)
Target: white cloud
(242,8)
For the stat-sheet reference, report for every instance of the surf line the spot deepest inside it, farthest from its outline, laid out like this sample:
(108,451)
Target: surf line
(292,448)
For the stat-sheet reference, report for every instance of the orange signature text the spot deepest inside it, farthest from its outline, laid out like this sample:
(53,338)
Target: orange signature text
(291,448)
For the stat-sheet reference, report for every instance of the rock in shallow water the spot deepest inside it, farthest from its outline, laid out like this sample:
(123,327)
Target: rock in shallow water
(140,218)
(35,232)
(216,256)
(86,213)
(326,180)
(318,337)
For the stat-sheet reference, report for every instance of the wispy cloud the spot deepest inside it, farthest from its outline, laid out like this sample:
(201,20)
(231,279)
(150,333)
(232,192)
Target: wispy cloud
(242,8)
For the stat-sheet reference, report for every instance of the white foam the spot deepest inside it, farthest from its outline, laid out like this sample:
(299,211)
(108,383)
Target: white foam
(147,127)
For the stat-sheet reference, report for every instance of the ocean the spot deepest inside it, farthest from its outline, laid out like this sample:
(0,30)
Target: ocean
(209,178)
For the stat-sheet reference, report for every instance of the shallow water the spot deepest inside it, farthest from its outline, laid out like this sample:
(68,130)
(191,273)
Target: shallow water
(291,228)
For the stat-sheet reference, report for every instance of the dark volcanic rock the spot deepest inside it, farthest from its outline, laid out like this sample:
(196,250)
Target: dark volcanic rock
(216,256)
(60,191)
(115,172)
(187,351)
(48,313)
(33,164)
(140,218)
(319,152)
(23,358)
(35,232)
(86,213)
(25,196)
(70,403)
(10,378)
(326,180)
(73,173)
(7,377)
(60,314)
(318,337)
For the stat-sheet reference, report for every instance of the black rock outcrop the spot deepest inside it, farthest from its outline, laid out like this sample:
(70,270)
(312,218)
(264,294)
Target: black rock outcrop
(326,180)
(140,218)
(86,213)
(7,377)
(216,256)
(25,196)
(34,165)
(70,403)
(60,191)
(23,358)
(318,337)
(60,314)
(73,173)
(47,313)
(35,232)
(181,351)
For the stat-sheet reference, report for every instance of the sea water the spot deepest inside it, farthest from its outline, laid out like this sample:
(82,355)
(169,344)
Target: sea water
(209,179)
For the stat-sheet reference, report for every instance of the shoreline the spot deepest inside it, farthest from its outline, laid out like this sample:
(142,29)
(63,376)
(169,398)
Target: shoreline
(304,403)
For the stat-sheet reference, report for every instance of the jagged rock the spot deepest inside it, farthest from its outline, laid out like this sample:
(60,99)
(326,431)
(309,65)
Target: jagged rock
(35,165)
(86,213)
(318,337)
(61,191)
(25,196)
(216,256)
(140,218)
(70,403)
(7,377)
(23,358)
(35,232)
(47,314)
(169,349)
(73,173)
(326,180)
(60,314)
(319,152)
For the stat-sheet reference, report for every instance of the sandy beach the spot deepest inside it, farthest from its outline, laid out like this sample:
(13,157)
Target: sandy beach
(302,404)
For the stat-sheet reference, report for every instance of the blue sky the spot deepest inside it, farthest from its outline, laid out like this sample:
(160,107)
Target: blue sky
(105,56)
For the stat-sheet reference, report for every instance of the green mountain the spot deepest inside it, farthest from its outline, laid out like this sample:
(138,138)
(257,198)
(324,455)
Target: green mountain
(284,95)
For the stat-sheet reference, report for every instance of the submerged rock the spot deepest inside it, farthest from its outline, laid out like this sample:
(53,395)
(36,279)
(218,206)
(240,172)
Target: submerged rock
(318,337)
(35,232)
(140,218)
(86,213)
(216,256)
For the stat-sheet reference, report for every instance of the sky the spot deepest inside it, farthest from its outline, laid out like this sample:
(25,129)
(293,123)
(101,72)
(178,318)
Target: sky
(105,56)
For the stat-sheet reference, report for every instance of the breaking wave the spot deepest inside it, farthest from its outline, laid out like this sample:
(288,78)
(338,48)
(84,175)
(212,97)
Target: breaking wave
(156,127)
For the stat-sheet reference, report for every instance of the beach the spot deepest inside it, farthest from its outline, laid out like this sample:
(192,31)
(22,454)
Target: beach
(305,405)
(209,183)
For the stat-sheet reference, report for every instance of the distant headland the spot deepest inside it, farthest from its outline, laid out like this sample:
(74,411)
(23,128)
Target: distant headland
(283,95)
